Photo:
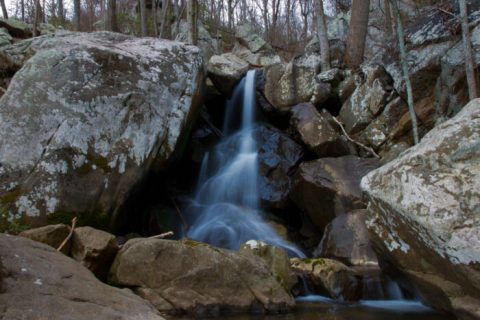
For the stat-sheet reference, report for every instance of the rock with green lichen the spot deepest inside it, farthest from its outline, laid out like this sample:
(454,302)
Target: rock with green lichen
(87,117)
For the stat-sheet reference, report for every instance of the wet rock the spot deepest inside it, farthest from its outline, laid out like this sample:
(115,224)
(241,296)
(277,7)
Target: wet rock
(289,84)
(367,100)
(252,48)
(315,130)
(76,139)
(191,277)
(276,260)
(225,71)
(346,239)
(53,235)
(328,187)
(278,155)
(423,213)
(95,249)
(40,283)
(329,277)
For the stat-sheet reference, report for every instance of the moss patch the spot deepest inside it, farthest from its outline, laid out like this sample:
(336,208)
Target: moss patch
(11,225)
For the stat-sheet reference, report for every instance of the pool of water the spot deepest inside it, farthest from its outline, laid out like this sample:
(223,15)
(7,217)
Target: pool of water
(322,308)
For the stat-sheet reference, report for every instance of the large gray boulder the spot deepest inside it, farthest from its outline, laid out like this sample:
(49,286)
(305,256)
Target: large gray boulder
(37,282)
(196,278)
(87,117)
(225,71)
(328,187)
(252,48)
(424,213)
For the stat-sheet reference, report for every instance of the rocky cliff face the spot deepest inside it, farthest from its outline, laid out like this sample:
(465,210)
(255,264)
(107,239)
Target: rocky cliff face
(87,117)
(424,209)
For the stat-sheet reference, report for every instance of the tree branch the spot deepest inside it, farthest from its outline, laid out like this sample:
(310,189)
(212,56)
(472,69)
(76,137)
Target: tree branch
(356,142)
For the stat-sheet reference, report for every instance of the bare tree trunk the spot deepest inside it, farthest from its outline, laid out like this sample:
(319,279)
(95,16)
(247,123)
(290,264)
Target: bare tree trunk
(22,2)
(143,18)
(42,11)
(322,35)
(388,19)
(36,14)
(192,22)
(230,14)
(4,9)
(403,61)
(357,33)
(60,14)
(111,24)
(164,17)
(76,15)
(155,20)
(467,48)
(288,15)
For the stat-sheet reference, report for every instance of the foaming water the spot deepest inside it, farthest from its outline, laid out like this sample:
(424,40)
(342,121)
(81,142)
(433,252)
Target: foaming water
(226,205)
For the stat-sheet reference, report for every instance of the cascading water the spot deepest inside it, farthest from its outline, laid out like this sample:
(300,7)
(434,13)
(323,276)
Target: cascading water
(226,205)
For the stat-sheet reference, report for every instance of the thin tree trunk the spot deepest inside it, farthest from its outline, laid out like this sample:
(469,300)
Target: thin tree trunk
(289,27)
(112,16)
(230,14)
(357,33)
(388,19)
(164,17)
(4,9)
(76,14)
(467,48)
(23,9)
(322,35)
(42,11)
(60,11)
(155,19)
(192,21)
(36,13)
(403,61)
(143,18)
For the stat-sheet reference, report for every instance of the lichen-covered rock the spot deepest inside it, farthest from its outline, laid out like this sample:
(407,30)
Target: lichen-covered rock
(38,282)
(423,213)
(95,249)
(289,84)
(225,71)
(16,28)
(53,235)
(315,130)
(276,260)
(208,45)
(252,48)
(278,155)
(87,117)
(192,277)
(328,187)
(5,37)
(367,100)
(346,239)
(329,277)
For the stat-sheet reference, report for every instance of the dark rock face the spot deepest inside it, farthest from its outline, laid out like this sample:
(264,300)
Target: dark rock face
(315,130)
(87,117)
(37,282)
(346,239)
(423,213)
(278,155)
(328,187)
(95,249)
(198,279)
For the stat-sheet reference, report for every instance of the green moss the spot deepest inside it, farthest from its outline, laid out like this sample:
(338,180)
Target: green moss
(99,162)
(193,243)
(10,197)
(11,225)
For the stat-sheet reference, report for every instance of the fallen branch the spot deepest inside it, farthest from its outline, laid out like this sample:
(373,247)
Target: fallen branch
(448,12)
(69,236)
(162,235)
(179,212)
(356,142)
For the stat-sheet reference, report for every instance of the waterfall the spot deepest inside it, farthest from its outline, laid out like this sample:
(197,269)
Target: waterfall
(226,206)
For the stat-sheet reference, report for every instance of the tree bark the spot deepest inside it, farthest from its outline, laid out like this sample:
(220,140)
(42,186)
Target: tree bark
(22,4)
(404,63)
(467,48)
(322,35)
(76,15)
(143,18)
(164,18)
(388,19)
(111,24)
(357,33)
(4,9)
(60,14)
(36,14)
(192,22)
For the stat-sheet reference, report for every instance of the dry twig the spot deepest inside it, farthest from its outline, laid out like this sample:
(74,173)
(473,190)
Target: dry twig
(356,142)
(74,222)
